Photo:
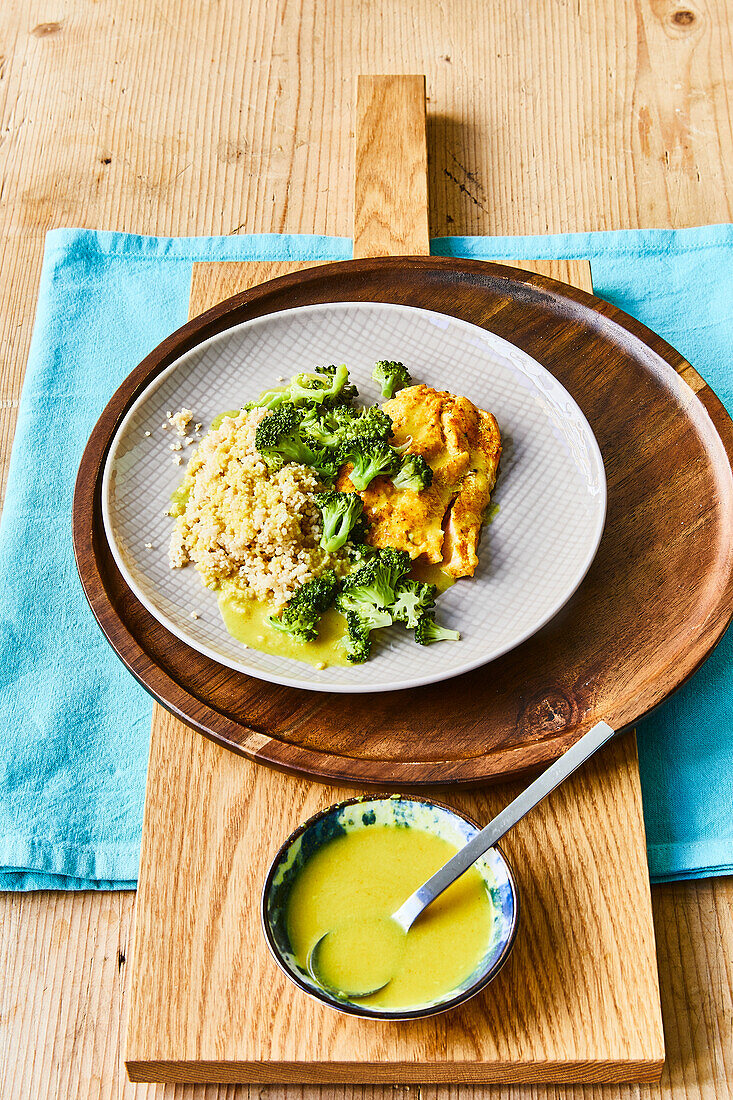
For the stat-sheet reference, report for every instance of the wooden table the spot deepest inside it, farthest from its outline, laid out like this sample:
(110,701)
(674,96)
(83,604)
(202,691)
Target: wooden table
(173,118)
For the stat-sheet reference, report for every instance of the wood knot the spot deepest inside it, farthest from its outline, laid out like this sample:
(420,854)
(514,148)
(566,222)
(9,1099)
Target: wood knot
(683,17)
(43,30)
(548,712)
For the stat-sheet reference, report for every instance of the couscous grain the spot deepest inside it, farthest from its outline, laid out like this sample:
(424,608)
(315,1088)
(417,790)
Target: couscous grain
(241,522)
(181,420)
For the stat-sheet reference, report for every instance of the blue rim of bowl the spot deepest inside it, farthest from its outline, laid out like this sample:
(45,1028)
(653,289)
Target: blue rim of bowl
(348,1007)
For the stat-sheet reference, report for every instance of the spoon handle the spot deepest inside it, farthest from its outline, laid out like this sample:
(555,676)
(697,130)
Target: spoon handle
(551,778)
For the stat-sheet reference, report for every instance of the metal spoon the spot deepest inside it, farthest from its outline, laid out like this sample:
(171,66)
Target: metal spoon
(446,875)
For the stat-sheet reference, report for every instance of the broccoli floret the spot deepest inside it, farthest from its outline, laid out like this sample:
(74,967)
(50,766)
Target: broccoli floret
(357,641)
(325,384)
(373,584)
(346,393)
(329,427)
(366,598)
(413,599)
(270,399)
(371,423)
(369,458)
(427,631)
(324,463)
(340,511)
(370,617)
(414,473)
(326,387)
(300,617)
(360,624)
(395,562)
(391,377)
(342,424)
(279,423)
(278,440)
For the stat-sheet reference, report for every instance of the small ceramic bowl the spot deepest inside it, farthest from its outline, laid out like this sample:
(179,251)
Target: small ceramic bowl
(362,813)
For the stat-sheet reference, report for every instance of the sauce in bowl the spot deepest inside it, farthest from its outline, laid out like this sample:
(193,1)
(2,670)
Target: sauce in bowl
(357,880)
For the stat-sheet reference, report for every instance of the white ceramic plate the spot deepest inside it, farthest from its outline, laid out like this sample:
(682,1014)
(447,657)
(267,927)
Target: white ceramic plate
(551,489)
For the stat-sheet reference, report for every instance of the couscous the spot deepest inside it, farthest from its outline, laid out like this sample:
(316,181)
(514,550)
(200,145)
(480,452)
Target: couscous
(240,522)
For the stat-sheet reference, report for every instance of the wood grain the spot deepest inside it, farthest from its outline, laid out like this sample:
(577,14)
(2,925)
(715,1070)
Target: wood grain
(63,967)
(390,172)
(560,117)
(578,999)
(656,599)
(570,117)
(64,983)
(203,982)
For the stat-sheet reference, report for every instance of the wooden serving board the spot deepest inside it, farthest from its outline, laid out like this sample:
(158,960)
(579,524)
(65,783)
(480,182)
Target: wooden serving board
(578,999)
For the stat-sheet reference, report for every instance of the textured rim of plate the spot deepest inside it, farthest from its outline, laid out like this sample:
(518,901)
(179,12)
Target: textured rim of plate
(341,689)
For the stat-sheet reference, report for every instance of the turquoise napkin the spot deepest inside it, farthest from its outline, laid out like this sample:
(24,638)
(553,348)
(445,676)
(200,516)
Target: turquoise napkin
(74,754)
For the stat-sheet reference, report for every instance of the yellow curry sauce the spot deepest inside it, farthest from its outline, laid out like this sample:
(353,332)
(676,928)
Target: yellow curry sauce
(247,621)
(365,875)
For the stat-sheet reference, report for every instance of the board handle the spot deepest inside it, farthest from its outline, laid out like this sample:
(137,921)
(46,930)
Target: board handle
(391,168)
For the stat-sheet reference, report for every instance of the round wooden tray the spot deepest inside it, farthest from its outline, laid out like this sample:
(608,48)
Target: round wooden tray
(655,602)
